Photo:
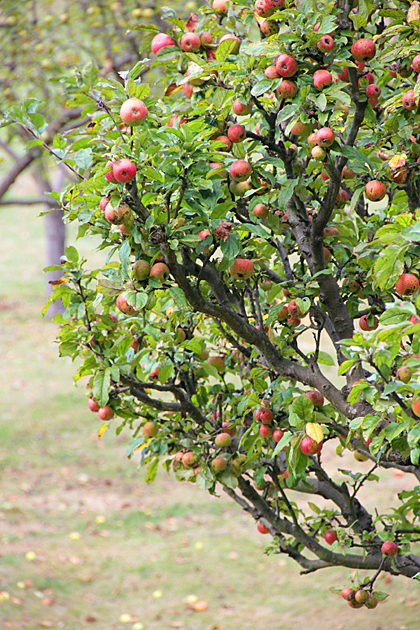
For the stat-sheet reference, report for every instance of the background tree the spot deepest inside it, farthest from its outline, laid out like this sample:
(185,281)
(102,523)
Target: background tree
(215,207)
(40,44)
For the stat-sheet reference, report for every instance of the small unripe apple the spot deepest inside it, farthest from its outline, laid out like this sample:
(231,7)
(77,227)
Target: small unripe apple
(330,536)
(133,112)
(319,154)
(206,38)
(389,548)
(189,459)
(106,413)
(359,457)
(361,596)
(218,363)
(141,270)
(190,42)
(353,604)
(150,430)
(371,602)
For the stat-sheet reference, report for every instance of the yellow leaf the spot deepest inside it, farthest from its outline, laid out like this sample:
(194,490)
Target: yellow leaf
(102,430)
(413,13)
(75,536)
(126,618)
(314,430)
(398,161)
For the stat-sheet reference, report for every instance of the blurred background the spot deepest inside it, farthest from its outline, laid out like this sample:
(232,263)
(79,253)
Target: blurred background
(84,542)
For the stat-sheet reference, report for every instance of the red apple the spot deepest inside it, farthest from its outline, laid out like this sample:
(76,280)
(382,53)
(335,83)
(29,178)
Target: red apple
(364,325)
(271,73)
(293,322)
(160,271)
(325,137)
(415,406)
(409,100)
(241,109)
(294,309)
(265,431)
(372,602)
(133,112)
(283,314)
(262,528)
(218,363)
(416,63)
(189,459)
(150,430)
(347,593)
(389,548)
(237,133)
(190,42)
(286,65)
(363,50)
(123,305)
(161,41)
(124,171)
(263,415)
(287,89)
(240,170)
(228,428)
(319,153)
(277,435)
(242,269)
(260,211)
(322,79)
(223,440)
(375,191)
(103,203)
(188,90)
(141,270)
(330,536)
(225,141)
(106,413)
(344,75)
(308,446)
(93,405)
(316,397)
(110,174)
(325,44)
(407,284)
(218,464)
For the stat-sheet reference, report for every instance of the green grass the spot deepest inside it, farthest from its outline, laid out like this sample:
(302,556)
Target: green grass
(104,543)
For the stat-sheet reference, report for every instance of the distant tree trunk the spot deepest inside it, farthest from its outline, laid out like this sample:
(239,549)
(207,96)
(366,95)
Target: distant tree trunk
(55,237)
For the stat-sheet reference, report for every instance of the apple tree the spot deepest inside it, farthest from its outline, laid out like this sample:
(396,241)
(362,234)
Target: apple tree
(259,201)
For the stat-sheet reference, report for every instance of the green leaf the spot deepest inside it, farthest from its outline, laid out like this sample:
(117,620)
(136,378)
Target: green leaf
(124,251)
(389,266)
(231,246)
(346,365)
(224,49)
(286,192)
(303,407)
(101,384)
(285,440)
(84,159)
(152,470)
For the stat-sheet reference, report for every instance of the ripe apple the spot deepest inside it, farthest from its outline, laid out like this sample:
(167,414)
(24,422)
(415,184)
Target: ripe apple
(109,175)
(103,203)
(277,435)
(228,428)
(361,596)
(133,112)
(160,271)
(141,270)
(308,446)
(373,91)
(123,305)
(124,171)
(316,397)
(271,73)
(225,141)
(324,137)
(415,64)
(364,325)
(409,100)
(240,170)
(188,90)
(347,593)
(206,38)
(93,405)
(283,314)
(375,191)
(218,363)
(263,415)
(301,129)
(265,431)
(223,440)
(218,464)
(344,75)
(242,269)
(260,211)
(150,430)
(330,536)
(106,413)
(415,406)
(325,44)
(161,40)
(389,548)
(331,231)
(293,322)
(262,528)
(117,216)
(237,133)
(294,309)
(407,284)
(347,173)
(322,79)
(203,234)
(175,118)
(287,89)
(190,42)
(353,604)
(219,6)
(241,109)
(363,50)
(286,65)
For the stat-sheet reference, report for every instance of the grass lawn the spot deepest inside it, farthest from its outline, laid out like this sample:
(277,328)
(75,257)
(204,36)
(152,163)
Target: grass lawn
(85,543)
